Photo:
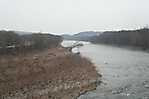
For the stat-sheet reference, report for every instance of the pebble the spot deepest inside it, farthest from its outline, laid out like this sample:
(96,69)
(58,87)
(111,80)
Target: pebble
(146,84)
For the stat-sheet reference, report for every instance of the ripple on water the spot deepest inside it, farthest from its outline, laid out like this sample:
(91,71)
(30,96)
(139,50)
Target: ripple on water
(119,67)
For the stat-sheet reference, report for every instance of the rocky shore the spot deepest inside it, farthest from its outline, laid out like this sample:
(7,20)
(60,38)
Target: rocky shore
(51,74)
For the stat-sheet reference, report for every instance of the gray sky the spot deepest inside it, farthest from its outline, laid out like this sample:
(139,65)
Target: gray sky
(72,16)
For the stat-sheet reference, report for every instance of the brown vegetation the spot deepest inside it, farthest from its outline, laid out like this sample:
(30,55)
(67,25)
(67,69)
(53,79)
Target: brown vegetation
(52,67)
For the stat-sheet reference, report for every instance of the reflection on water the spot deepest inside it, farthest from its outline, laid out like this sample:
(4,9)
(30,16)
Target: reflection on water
(125,72)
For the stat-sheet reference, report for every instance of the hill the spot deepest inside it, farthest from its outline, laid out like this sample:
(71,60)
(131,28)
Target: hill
(13,43)
(137,38)
(83,36)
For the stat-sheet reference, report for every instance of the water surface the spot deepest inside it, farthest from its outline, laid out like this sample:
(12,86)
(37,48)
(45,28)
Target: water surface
(125,72)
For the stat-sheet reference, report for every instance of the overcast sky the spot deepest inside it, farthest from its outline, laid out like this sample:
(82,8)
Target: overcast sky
(72,16)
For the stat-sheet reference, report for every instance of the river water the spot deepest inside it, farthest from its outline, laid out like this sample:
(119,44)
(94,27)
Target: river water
(125,72)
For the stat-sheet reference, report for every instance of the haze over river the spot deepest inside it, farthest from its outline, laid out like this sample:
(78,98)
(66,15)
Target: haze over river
(125,72)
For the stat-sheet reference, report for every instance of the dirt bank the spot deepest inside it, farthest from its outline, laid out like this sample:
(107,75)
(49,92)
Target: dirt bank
(51,74)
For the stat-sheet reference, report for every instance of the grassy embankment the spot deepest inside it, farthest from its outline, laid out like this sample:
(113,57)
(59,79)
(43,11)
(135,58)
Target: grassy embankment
(54,73)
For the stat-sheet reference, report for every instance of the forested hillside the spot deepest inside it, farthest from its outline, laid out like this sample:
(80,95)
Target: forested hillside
(10,42)
(138,38)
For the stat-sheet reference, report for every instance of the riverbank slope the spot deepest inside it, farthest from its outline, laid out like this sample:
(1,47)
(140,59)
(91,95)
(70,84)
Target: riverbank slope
(51,74)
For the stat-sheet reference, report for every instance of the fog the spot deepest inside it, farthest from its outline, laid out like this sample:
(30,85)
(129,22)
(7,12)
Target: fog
(72,16)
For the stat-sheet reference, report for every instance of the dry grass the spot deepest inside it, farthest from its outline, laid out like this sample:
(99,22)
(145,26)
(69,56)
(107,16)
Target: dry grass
(21,71)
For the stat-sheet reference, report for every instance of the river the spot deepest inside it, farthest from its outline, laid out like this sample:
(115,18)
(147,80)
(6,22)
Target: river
(125,72)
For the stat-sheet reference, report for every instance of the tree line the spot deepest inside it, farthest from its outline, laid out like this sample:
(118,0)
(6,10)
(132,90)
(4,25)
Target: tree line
(12,43)
(138,38)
